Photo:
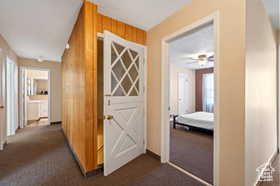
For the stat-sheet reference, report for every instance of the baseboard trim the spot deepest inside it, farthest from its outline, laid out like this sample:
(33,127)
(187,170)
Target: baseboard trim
(2,145)
(83,171)
(56,123)
(152,154)
(270,160)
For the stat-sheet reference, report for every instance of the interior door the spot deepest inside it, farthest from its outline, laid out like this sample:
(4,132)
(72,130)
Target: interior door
(182,93)
(2,100)
(123,101)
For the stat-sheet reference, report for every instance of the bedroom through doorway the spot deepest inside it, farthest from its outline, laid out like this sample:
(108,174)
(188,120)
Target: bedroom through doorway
(191,98)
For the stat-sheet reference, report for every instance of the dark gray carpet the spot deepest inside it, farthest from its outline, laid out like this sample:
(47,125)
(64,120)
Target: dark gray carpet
(40,157)
(192,151)
(276,174)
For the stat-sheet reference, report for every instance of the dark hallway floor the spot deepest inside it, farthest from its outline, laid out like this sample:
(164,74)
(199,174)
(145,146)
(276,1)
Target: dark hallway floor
(192,151)
(39,156)
(276,174)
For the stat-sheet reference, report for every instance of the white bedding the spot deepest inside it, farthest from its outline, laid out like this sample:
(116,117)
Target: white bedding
(203,120)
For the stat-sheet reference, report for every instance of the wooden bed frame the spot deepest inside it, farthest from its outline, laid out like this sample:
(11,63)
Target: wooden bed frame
(175,122)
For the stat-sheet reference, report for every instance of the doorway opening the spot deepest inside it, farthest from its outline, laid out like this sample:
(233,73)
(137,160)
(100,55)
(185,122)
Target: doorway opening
(189,76)
(34,97)
(121,101)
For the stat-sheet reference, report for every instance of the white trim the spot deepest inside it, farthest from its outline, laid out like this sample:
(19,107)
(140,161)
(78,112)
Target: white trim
(269,161)
(49,88)
(189,174)
(145,96)
(165,126)
(14,124)
(100,35)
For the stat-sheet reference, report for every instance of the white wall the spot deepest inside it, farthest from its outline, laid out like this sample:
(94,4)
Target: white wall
(174,70)
(261,126)
(56,84)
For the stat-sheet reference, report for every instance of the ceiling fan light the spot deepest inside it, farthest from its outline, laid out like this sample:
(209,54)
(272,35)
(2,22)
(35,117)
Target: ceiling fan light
(202,62)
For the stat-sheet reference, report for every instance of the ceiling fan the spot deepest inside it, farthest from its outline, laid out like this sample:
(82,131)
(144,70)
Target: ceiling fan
(202,59)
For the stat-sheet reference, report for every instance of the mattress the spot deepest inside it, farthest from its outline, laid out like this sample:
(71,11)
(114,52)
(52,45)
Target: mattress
(203,120)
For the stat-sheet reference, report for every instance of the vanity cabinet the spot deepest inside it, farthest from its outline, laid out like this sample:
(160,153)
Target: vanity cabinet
(33,110)
(37,109)
(43,109)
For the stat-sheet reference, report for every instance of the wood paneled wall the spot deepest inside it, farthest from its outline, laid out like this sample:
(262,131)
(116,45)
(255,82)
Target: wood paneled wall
(80,105)
(121,29)
(198,87)
(79,80)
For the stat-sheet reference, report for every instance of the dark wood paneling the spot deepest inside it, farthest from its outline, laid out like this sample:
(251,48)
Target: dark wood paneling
(198,87)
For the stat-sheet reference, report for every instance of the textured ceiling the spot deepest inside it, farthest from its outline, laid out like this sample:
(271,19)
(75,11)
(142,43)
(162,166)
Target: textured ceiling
(38,28)
(197,42)
(41,28)
(143,14)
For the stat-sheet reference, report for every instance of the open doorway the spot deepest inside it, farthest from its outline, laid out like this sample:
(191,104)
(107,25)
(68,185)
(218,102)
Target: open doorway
(34,97)
(121,101)
(189,134)
(192,102)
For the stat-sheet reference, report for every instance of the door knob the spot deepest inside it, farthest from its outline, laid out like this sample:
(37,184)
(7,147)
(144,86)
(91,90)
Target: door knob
(1,107)
(109,117)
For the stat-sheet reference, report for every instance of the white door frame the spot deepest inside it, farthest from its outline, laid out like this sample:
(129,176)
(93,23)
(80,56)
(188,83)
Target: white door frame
(49,90)
(14,75)
(165,80)
(3,126)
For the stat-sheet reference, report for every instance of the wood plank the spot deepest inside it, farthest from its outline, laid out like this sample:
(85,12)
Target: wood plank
(80,83)
(121,29)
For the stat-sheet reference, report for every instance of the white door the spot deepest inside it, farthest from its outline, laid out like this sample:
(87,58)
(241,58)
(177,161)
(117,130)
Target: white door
(183,86)
(123,101)
(2,100)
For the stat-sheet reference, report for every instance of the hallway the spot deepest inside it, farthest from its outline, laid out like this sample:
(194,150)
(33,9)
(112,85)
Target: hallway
(39,156)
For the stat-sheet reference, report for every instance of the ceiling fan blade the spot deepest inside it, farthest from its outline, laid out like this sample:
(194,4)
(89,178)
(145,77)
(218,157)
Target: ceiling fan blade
(211,58)
(191,63)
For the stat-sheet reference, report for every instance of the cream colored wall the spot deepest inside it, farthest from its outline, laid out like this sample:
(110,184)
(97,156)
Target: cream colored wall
(231,82)
(56,88)
(174,71)
(37,73)
(42,85)
(261,123)
(7,50)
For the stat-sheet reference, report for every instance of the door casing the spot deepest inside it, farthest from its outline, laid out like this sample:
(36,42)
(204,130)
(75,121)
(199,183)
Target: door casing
(165,123)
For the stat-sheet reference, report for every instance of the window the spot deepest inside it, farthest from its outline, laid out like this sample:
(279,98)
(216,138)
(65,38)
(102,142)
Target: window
(208,92)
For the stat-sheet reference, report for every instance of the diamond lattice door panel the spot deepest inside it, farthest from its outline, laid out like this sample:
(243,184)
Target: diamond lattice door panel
(125,71)
(123,102)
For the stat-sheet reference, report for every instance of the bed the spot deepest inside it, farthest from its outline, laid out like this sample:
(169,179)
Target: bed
(200,120)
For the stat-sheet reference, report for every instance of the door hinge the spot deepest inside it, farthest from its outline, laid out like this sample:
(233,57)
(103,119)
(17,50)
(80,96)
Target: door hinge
(143,142)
